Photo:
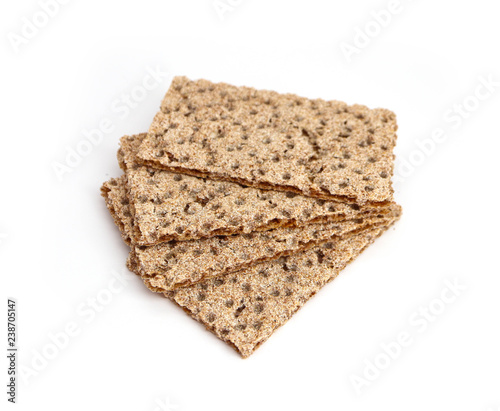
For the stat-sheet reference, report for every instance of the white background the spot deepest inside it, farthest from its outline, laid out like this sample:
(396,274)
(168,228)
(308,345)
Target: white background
(59,247)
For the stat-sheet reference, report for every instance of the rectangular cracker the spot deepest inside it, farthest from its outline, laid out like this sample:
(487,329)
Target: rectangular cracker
(245,308)
(179,263)
(168,206)
(264,139)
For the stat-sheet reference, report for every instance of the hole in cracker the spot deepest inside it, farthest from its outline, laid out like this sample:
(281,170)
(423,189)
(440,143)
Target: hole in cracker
(320,255)
(258,308)
(239,310)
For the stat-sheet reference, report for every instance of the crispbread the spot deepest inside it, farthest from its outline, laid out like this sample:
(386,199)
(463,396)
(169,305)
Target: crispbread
(179,263)
(173,265)
(168,206)
(245,308)
(264,139)
(115,193)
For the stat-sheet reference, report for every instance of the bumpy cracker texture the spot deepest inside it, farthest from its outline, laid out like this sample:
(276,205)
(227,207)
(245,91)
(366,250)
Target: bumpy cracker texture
(178,264)
(319,148)
(175,264)
(244,309)
(114,192)
(169,206)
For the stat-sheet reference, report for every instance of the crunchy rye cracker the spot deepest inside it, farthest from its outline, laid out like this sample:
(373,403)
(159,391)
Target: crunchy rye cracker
(168,206)
(245,308)
(176,264)
(115,194)
(259,138)
(173,265)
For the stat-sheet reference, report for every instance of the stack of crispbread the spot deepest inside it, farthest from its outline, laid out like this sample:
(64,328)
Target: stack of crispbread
(240,204)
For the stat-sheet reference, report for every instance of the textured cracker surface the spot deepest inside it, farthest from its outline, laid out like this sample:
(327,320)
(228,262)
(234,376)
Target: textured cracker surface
(114,192)
(177,265)
(180,263)
(170,206)
(245,308)
(260,138)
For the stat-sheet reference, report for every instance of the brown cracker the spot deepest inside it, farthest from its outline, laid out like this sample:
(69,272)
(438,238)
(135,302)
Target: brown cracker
(262,304)
(259,138)
(179,263)
(168,206)
(173,265)
(245,308)
(114,192)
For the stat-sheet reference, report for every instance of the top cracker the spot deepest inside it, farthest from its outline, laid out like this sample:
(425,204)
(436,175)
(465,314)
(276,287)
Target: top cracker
(259,138)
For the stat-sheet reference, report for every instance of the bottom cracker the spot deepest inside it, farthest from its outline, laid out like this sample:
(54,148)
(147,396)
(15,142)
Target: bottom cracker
(245,308)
